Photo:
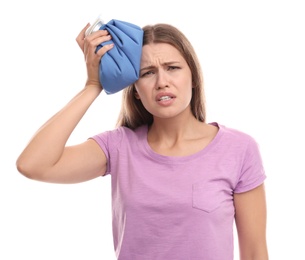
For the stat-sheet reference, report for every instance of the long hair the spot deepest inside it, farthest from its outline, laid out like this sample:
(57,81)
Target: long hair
(133,114)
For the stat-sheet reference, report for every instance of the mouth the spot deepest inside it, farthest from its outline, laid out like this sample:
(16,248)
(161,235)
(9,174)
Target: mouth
(164,97)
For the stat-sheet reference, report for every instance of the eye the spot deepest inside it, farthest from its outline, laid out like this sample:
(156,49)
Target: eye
(147,73)
(173,68)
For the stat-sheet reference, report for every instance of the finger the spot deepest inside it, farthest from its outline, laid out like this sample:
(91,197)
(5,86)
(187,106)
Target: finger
(91,43)
(94,58)
(97,34)
(104,49)
(81,36)
(94,39)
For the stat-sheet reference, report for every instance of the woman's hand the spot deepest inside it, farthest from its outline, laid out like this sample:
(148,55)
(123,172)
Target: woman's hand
(88,45)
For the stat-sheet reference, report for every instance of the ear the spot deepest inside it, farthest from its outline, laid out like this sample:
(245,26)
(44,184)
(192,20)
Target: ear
(136,94)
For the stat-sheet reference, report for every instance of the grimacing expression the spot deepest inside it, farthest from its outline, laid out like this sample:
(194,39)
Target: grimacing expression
(165,83)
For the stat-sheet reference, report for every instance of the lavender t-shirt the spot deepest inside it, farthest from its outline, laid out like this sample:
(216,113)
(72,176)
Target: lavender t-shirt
(178,208)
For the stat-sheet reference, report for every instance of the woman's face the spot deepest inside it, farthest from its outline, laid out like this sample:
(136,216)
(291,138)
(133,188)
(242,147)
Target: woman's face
(165,83)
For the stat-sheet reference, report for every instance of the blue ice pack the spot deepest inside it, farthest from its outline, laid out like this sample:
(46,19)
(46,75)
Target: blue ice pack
(120,66)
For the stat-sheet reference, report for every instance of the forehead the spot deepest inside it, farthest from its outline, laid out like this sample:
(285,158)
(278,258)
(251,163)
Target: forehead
(159,52)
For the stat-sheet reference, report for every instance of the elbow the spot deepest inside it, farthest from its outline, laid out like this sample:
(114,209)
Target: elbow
(26,169)
(23,169)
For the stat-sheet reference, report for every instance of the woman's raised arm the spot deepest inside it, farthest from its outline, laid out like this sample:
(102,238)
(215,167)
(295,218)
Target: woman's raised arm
(46,157)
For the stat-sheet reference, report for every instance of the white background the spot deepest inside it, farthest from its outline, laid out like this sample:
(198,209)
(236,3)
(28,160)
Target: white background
(253,59)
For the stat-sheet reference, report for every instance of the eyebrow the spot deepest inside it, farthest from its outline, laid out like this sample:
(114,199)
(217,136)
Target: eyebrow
(163,64)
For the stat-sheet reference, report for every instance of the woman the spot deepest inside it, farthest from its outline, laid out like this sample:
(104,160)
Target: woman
(178,183)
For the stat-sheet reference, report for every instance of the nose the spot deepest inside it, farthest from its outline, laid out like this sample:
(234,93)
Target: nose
(162,80)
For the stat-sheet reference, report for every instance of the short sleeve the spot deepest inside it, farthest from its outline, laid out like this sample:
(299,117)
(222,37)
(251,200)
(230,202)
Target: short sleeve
(108,141)
(252,171)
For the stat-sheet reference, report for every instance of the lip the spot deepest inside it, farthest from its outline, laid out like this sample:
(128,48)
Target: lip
(162,94)
(165,102)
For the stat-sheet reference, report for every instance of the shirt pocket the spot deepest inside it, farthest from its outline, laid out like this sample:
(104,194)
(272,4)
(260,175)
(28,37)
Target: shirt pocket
(206,196)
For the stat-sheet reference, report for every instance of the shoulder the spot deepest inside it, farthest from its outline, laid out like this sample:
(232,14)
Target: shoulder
(236,140)
(120,134)
(233,134)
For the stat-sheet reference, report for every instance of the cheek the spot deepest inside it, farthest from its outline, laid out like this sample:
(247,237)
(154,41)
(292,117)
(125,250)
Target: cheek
(184,80)
(142,89)
(144,95)
(188,85)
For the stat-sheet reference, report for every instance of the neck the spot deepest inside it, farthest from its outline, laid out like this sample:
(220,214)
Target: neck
(174,129)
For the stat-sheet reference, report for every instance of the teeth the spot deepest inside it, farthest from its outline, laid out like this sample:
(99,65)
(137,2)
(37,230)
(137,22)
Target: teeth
(165,98)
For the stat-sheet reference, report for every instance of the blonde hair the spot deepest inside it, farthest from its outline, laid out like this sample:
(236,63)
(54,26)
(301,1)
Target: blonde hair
(133,114)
